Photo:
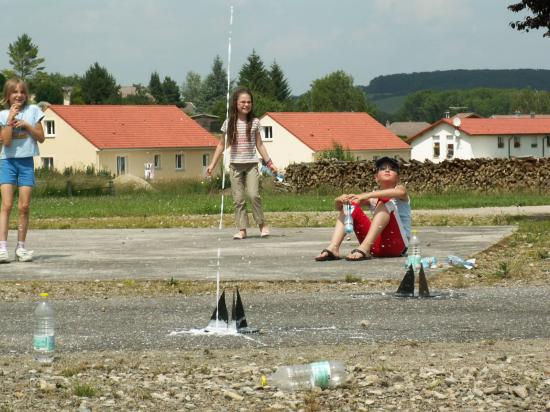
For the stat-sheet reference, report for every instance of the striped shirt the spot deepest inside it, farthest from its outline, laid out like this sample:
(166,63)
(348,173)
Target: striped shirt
(243,150)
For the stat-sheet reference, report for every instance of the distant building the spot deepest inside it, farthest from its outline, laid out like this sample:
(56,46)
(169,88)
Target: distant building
(470,138)
(406,129)
(123,138)
(209,122)
(294,137)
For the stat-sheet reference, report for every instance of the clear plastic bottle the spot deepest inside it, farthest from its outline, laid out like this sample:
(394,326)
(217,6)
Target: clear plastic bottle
(44,331)
(324,374)
(348,218)
(266,171)
(414,253)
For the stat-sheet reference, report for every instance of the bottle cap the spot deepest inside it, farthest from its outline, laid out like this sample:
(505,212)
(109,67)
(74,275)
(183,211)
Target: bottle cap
(264,380)
(44,295)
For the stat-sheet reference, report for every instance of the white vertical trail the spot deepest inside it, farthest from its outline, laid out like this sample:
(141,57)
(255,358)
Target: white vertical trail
(224,158)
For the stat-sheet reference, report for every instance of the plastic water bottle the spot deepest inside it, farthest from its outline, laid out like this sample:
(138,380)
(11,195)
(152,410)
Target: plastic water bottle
(324,374)
(268,172)
(414,254)
(44,334)
(348,219)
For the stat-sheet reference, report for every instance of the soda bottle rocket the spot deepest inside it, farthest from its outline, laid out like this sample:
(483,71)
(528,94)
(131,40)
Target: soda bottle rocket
(325,374)
(414,254)
(348,219)
(44,333)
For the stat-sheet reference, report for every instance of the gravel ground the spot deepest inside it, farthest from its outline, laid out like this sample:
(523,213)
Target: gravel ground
(477,376)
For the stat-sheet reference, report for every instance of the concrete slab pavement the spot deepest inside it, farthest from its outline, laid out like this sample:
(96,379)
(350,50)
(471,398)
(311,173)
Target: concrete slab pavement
(192,254)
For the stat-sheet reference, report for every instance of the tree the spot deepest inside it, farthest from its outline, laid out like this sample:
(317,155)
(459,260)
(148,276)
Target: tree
(335,93)
(23,57)
(2,81)
(214,87)
(171,91)
(99,86)
(191,89)
(155,88)
(254,75)
(47,88)
(540,18)
(280,90)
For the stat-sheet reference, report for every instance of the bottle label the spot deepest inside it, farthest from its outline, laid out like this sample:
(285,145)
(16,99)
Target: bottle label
(44,343)
(320,374)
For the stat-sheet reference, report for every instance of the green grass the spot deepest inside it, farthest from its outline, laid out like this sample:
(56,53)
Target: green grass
(84,390)
(145,204)
(468,200)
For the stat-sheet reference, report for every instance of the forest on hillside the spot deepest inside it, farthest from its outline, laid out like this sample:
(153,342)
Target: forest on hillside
(406,83)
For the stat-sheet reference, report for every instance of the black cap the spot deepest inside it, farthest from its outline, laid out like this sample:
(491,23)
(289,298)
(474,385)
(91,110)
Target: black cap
(387,160)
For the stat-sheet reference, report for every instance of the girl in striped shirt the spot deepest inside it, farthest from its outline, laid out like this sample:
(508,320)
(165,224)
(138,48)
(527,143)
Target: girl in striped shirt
(243,136)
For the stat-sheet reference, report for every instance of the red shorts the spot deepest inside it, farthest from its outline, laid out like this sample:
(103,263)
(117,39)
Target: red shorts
(391,242)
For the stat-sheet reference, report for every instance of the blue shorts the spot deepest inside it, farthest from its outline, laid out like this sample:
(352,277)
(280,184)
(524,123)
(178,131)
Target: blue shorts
(17,171)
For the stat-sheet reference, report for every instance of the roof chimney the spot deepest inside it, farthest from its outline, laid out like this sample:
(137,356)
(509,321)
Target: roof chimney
(447,114)
(532,115)
(67,90)
(517,113)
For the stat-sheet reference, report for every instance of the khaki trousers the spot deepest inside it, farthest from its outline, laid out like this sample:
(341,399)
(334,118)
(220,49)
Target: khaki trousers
(245,177)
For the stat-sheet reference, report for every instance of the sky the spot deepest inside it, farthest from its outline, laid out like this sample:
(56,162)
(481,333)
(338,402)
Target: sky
(308,38)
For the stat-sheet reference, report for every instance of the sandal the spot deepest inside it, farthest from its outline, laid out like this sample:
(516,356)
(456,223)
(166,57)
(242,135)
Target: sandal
(239,236)
(329,256)
(363,256)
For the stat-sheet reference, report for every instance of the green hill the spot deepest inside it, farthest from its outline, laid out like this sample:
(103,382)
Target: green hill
(389,91)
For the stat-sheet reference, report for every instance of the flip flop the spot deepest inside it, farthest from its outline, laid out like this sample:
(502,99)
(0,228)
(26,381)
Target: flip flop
(329,256)
(363,257)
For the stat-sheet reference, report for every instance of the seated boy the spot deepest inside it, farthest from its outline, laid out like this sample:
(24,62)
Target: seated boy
(387,235)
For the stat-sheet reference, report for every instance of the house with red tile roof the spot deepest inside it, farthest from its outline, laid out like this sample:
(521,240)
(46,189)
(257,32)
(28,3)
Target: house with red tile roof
(294,137)
(124,139)
(470,138)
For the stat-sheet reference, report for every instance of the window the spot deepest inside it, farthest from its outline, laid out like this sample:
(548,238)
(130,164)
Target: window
(205,160)
(501,142)
(180,161)
(436,149)
(450,150)
(50,128)
(156,161)
(47,163)
(121,165)
(516,142)
(268,133)
(534,142)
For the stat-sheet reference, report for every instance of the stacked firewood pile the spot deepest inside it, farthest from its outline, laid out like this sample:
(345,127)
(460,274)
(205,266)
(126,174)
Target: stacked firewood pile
(479,175)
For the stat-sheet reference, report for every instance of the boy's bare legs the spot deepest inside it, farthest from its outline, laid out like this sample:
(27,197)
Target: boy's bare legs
(7,204)
(337,237)
(380,220)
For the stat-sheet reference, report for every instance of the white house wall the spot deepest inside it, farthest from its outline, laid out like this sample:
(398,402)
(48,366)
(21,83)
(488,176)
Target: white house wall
(469,147)
(284,148)
(422,146)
